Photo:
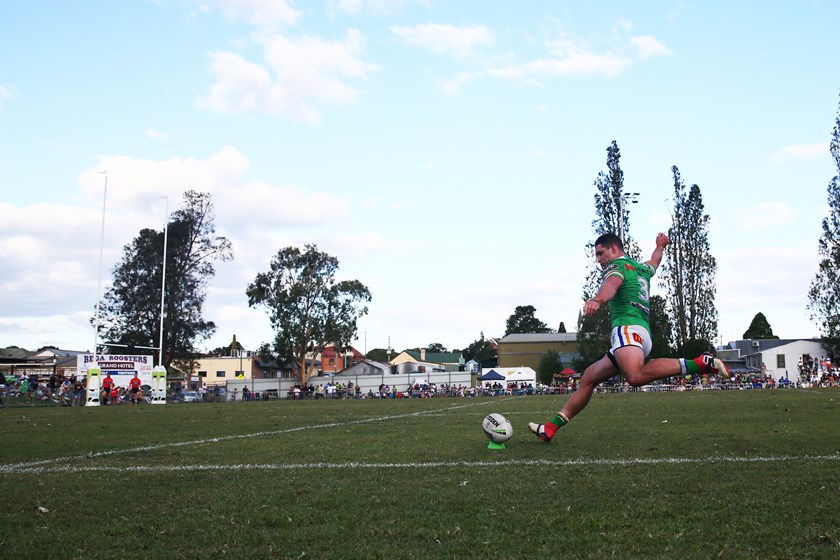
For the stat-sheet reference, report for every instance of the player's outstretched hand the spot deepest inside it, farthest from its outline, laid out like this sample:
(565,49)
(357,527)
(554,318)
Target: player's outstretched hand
(662,240)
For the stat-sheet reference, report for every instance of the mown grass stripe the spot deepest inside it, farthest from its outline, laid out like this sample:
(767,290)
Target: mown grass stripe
(13,467)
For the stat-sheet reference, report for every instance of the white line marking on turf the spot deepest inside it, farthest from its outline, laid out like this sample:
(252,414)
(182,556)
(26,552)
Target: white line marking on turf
(69,469)
(95,454)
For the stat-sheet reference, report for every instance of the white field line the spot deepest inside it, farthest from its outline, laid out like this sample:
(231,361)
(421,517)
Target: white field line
(16,467)
(69,469)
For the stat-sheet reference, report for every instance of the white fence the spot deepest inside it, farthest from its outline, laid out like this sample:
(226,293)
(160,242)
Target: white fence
(279,388)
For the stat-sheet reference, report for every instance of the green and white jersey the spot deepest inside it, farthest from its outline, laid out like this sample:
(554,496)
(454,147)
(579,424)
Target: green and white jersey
(631,304)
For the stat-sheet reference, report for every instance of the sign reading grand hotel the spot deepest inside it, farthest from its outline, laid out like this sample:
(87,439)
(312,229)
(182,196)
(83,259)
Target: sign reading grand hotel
(122,367)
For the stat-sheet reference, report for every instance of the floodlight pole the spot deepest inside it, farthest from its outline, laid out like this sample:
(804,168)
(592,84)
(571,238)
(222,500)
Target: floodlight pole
(163,280)
(99,282)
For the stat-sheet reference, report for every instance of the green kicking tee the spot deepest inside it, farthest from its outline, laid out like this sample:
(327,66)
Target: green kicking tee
(631,303)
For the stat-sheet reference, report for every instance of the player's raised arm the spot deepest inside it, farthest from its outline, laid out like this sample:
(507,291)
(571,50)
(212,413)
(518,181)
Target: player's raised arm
(656,257)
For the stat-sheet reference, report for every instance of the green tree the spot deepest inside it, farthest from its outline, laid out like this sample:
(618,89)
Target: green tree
(593,339)
(562,327)
(307,306)
(824,292)
(611,216)
(524,320)
(760,328)
(484,351)
(378,355)
(550,363)
(130,309)
(689,271)
(661,334)
(437,348)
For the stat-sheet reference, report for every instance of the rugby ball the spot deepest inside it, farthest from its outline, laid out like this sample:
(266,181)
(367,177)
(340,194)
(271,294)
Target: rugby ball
(497,428)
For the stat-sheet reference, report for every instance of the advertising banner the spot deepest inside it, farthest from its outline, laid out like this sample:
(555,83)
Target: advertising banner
(121,367)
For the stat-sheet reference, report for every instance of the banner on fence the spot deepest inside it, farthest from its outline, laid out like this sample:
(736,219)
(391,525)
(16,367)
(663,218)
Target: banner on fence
(121,367)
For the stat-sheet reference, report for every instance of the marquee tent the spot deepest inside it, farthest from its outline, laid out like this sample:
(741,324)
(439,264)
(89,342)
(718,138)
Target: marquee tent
(509,375)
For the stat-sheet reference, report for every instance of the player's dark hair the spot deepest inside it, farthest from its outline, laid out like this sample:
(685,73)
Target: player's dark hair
(610,240)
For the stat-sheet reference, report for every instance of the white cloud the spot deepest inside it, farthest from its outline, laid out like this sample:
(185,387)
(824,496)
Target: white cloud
(272,207)
(800,152)
(781,292)
(355,245)
(377,7)
(570,54)
(157,135)
(455,85)
(307,71)
(648,46)
(460,42)
(260,13)
(257,217)
(241,86)
(624,24)
(572,63)
(766,215)
(5,93)
(134,182)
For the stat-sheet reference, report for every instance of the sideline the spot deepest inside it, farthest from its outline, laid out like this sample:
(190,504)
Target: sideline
(68,469)
(22,467)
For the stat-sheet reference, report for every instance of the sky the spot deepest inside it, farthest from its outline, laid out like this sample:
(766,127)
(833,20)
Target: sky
(445,152)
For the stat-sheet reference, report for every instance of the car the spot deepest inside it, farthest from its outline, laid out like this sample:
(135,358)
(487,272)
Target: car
(190,396)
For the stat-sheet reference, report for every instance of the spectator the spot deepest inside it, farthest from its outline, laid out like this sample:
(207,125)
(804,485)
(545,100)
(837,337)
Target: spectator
(134,389)
(65,393)
(25,389)
(107,386)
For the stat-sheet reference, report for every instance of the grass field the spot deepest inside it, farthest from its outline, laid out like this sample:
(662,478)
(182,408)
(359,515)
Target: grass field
(740,474)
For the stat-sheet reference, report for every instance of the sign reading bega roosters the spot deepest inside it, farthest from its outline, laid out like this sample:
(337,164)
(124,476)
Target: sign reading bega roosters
(121,367)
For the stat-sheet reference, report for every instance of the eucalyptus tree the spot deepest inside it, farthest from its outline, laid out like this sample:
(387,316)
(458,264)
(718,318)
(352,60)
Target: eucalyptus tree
(307,305)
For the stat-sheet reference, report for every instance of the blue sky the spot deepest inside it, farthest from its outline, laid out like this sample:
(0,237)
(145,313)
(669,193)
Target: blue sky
(445,152)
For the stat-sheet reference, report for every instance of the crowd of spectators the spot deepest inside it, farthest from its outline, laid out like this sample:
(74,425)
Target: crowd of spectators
(819,372)
(34,389)
(336,390)
(72,390)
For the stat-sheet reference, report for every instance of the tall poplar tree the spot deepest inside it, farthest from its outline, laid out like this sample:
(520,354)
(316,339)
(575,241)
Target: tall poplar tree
(611,216)
(661,331)
(824,294)
(689,272)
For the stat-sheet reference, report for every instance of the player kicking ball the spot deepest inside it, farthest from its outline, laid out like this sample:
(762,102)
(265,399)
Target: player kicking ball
(626,287)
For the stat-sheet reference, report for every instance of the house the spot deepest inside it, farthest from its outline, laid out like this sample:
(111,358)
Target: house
(366,367)
(527,349)
(334,361)
(444,361)
(220,370)
(779,358)
(17,361)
